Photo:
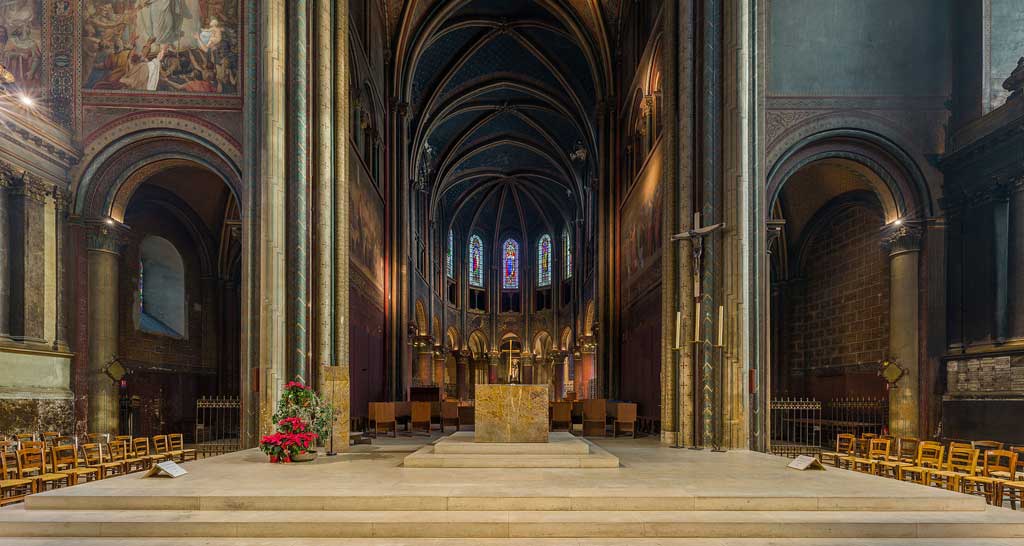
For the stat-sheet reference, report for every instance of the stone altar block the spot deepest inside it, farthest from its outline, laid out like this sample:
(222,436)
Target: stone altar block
(511,414)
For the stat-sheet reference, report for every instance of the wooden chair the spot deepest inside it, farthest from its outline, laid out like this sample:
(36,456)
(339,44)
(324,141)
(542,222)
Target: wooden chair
(998,462)
(13,489)
(65,461)
(960,462)
(24,437)
(144,458)
(382,415)
(403,414)
(929,458)
(32,466)
(49,438)
(624,419)
(844,445)
(987,445)
(420,417)
(577,413)
(7,454)
(594,414)
(95,458)
(119,454)
(561,416)
(162,449)
(449,415)
(177,441)
(878,450)
(906,455)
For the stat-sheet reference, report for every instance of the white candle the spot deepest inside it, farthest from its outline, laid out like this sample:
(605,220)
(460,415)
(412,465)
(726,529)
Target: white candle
(696,324)
(721,323)
(679,325)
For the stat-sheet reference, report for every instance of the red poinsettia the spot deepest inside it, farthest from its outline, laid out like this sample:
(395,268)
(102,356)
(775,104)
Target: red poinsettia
(290,440)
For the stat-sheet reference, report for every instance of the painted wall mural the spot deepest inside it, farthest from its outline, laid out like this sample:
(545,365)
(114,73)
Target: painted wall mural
(641,232)
(21,50)
(367,221)
(177,46)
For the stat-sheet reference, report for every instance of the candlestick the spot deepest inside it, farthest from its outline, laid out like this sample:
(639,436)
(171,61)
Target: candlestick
(679,325)
(696,324)
(721,323)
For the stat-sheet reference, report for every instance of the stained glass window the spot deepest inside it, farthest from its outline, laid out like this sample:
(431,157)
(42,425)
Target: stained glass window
(476,261)
(544,261)
(510,265)
(450,257)
(567,253)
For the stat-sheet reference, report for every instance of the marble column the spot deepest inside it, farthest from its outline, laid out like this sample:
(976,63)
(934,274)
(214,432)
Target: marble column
(463,375)
(60,202)
(103,244)
(904,246)
(5,257)
(27,246)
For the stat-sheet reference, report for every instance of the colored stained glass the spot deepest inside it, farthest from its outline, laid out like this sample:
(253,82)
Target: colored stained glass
(544,261)
(450,257)
(510,265)
(476,261)
(567,252)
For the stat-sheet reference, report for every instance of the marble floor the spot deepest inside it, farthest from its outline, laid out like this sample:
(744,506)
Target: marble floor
(657,496)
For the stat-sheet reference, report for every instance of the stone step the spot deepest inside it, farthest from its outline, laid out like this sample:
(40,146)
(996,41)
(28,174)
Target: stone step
(992,523)
(559,443)
(508,542)
(498,499)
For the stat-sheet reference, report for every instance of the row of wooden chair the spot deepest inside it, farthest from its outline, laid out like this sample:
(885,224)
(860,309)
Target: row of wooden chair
(38,467)
(983,468)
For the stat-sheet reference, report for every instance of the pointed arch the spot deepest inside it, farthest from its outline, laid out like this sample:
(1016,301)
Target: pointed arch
(476,261)
(510,264)
(544,261)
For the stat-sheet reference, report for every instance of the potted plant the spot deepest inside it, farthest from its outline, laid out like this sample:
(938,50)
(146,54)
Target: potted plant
(301,418)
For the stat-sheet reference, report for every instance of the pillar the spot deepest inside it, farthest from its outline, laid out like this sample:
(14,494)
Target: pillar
(585,367)
(60,202)
(492,367)
(527,369)
(904,246)
(463,375)
(103,244)
(5,257)
(298,363)
(438,367)
(27,258)
(423,363)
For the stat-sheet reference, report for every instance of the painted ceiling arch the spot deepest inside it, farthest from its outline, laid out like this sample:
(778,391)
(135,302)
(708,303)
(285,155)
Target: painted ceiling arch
(504,98)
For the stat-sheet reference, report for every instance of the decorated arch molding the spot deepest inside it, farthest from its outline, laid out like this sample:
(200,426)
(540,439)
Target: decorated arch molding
(900,173)
(111,176)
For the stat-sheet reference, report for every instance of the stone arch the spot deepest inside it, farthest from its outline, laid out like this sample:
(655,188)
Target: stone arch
(566,339)
(452,338)
(478,344)
(542,344)
(588,321)
(422,326)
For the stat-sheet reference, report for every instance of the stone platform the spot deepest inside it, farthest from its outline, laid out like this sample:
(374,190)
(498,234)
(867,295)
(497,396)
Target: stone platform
(656,495)
(562,450)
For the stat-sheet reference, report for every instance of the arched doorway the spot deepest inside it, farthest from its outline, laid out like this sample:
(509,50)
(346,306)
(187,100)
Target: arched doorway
(846,217)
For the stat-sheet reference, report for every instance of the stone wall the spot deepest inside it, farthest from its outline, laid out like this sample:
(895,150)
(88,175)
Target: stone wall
(839,307)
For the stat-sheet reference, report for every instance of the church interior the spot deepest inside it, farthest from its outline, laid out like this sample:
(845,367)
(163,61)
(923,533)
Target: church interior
(524,271)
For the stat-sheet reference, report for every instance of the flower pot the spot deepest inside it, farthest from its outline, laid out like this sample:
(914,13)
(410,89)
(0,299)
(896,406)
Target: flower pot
(304,457)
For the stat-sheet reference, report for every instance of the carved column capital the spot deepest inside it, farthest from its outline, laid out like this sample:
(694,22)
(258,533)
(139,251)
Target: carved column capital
(30,187)
(105,236)
(902,238)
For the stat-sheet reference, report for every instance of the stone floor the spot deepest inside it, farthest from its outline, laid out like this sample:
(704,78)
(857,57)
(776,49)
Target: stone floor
(657,496)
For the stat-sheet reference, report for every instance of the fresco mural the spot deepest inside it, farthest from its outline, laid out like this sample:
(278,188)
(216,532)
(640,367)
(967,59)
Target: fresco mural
(367,219)
(20,42)
(641,231)
(179,46)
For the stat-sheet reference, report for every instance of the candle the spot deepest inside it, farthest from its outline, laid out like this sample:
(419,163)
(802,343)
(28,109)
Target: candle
(679,325)
(721,323)
(696,324)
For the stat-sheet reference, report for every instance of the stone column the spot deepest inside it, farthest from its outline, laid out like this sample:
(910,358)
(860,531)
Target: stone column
(438,363)
(60,202)
(423,364)
(492,368)
(103,242)
(904,246)
(27,245)
(5,257)
(463,375)
(585,371)
(527,369)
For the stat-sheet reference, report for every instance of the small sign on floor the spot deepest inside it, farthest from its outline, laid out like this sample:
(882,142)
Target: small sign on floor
(806,462)
(167,468)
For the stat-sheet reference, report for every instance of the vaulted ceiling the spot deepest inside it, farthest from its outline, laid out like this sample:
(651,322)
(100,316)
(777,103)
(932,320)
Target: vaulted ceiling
(503,98)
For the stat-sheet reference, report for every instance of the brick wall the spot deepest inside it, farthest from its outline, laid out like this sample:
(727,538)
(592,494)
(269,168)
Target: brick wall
(838,320)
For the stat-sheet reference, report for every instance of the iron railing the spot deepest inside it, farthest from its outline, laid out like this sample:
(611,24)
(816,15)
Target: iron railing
(803,426)
(217,425)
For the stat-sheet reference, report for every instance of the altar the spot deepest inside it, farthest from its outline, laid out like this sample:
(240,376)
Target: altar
(511,431)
